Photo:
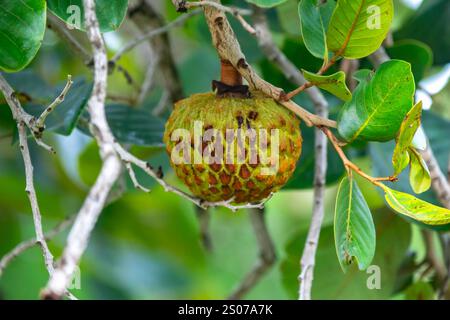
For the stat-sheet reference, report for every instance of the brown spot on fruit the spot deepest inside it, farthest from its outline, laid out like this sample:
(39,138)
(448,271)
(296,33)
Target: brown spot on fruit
(237,185)
(231,168)
(212,179)
(250,184)
(197,180)
(224,178)
(226,190)
(215,167)
(244,173)
(214,190)
(253,115)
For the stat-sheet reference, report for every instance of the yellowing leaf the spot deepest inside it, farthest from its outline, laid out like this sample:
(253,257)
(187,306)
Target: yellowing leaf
(419,175)
(358,27)
(334,84)
(415,208)
(408,128)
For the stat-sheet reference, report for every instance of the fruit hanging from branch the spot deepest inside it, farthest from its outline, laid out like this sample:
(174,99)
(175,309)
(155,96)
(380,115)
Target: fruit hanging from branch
(233,144)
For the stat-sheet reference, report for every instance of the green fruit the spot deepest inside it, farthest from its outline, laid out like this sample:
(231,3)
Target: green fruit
(245,181)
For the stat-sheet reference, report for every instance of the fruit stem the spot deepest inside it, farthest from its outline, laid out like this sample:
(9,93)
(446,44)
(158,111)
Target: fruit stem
(229,75)
(350,166)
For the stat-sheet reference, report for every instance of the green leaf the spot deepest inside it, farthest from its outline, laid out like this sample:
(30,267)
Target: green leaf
(408,128)
(287,14)
(417,53)
(358,27)
(354,231)
(379,104)
(130,125)
(415,208)
(266,3)
(314,21)
(110,14)
(419,175)
(429,24)
(334,84)
(137,127)
(22,28)
(436,127)
(393,241)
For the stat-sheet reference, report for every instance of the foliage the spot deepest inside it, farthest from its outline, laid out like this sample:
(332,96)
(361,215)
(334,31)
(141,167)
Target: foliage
(155,237)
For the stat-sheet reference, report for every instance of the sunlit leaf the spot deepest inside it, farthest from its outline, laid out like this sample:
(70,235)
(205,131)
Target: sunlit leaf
(408,128)
(22,28)
(354,231)
(379,103)
(110,14)
(314,19)
(419,175)
(358,27)
(415,208)
(334,84)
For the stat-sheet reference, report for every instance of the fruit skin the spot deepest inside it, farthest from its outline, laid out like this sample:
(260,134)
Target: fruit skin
(242,182)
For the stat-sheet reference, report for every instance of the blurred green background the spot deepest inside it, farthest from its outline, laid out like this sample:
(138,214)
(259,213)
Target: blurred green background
(147,246)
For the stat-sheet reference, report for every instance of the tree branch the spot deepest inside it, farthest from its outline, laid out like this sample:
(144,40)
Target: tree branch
(111,168)
(229,49)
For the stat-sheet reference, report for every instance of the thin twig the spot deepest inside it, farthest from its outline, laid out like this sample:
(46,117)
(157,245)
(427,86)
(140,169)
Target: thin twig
(136,183)
(350,165)
(40,122)
(129,158)
(20,115)
(266,256)
(31,192)
(183,6)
